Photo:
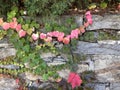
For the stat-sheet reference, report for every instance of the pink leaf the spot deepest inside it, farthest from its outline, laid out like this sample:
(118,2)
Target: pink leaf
(13,25)
(88,17)
(18,27)
(22,33)
(42,36)
(48,39)
(66,40)
(60,38)
(75,33)
(5,26)
(74,79)
(35,36)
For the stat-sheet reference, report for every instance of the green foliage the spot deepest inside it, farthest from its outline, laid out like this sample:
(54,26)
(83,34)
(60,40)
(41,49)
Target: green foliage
(101,35)
(63,26)
(88,36)
(47,7)
(29,51)
(5,6)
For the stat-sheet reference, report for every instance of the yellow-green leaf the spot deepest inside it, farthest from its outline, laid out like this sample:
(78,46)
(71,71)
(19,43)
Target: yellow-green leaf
(92,6)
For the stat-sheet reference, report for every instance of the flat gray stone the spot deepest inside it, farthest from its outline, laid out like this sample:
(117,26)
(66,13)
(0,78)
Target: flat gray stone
(6,52)
(115,86)
(82,68)
(99,87)
(97,48)
(52,59)
(106,67)
(102,86)
(9,66)
(6,49)
(104,61)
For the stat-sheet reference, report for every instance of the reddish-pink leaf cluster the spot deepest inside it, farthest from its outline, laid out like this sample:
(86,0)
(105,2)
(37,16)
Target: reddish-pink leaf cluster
(13,25)
(74,79)
(89,18)
(60,36)
(35,36)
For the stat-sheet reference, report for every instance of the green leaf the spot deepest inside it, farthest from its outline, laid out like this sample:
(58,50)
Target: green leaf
(11,15)
(29,31)
(92,6)
(43,65)
(2,34)
(20,20)
(51,73)
(32,64)
(31,55)
(25,27)
(26,48)
(25,59)
(103,5)
(38,70)
(45,77)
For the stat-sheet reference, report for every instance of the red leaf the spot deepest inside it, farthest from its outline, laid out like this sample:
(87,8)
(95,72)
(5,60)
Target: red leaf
(74,79)
(17,80)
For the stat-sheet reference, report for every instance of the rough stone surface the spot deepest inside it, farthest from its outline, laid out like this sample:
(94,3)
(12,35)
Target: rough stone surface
(102,22)
(6,52)
(82,68)
(64,73)
(103,58)
(106,86)
(111,42)
(52,59)
(8,84)
(30,76)
(6,49)
(10,66)
(115,86)
(107,67)
(98,48)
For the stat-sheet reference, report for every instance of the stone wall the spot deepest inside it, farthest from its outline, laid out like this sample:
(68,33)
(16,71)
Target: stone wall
(102,57)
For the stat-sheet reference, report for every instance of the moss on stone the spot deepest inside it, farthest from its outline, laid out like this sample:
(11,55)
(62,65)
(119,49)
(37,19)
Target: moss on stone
(93,36)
